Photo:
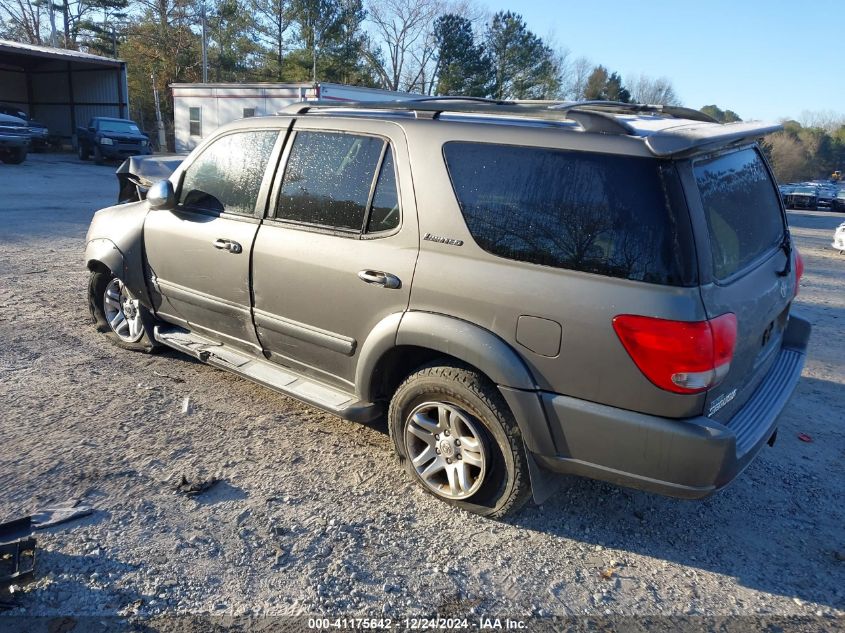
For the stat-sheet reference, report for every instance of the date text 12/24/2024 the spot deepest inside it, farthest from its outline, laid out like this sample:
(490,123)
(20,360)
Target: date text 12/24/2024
(417,624)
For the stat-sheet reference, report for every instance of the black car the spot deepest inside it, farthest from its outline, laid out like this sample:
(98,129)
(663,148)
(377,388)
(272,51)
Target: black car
(39,135)
(803,198)
(838,203)
(14,139)
(106,138)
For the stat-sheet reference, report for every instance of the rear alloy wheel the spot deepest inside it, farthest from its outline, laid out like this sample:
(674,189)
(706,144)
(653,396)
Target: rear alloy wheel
(457,438)
(119,314)
(445,445)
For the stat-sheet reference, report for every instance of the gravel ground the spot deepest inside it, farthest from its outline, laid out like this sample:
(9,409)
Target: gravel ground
(313,515)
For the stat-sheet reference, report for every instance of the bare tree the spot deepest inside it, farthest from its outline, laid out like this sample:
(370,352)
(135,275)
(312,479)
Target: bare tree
(645,89)
(827,120)
(24,19)
(574,76)
(789,158)
(403,46)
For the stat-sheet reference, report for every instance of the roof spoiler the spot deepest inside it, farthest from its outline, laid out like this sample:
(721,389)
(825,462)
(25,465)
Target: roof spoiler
(687,139)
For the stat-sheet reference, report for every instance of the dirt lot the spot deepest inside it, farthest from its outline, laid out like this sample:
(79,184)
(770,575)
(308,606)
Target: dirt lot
(313,515)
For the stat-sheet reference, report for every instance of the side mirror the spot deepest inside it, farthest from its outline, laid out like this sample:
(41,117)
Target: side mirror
(161,195)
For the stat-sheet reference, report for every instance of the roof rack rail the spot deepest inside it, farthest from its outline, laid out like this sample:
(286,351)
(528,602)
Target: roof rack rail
(592,116)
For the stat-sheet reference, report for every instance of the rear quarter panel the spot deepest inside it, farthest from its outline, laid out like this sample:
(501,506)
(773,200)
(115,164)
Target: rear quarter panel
(468,283)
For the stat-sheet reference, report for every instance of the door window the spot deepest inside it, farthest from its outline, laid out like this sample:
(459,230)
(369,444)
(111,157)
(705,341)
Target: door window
(227,175)
(329,179)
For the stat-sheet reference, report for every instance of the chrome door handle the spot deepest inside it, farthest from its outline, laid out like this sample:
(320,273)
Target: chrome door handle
(378,278)
(228,245)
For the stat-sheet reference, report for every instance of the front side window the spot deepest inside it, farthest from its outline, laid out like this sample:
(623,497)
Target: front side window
(595,213)
(329,178)
(742,209)
(195,117)
(226,177)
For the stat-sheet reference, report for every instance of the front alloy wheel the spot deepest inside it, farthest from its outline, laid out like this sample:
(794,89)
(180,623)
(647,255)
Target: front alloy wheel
(119,314)
(446,448)
(122,312)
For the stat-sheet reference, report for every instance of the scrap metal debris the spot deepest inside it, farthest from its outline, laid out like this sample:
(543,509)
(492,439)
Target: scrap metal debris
(193,488)
(59,513)
(17,557)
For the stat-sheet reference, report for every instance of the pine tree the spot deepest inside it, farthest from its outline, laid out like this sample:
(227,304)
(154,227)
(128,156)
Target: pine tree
(463,68)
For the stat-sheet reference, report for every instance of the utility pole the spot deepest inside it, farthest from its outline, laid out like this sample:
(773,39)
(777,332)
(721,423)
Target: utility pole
(162,139)
(204,47)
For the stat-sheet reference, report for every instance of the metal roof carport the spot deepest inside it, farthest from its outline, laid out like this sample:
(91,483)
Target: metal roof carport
(62,88)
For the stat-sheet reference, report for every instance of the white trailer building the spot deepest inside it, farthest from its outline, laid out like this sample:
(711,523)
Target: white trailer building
(199,109)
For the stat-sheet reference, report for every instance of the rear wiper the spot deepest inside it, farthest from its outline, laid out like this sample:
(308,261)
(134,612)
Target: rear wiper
(786,246)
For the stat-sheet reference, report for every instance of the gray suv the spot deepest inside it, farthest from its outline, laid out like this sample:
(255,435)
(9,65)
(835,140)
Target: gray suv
(523,289)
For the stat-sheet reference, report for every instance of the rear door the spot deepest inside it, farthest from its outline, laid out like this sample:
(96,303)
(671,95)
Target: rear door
(199,252)
(740,227)
(337,252)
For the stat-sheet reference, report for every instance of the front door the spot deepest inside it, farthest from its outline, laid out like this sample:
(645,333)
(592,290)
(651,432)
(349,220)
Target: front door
(199,252)
(337,252)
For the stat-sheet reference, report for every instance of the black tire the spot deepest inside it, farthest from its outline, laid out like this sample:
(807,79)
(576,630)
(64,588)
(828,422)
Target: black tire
(15,156)
(97,285)
(505,485)
(98,156)
(82,152)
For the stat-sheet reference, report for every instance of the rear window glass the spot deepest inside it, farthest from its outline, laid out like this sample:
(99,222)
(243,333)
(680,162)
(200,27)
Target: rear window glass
(741,207)
(594,213)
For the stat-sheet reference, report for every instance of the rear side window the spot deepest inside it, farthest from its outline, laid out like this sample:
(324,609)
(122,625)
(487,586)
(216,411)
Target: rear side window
(328,179)
(594,213)
(384,214)
(742,210)
(227,175)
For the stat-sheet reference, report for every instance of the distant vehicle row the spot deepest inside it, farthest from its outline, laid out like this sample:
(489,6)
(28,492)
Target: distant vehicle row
(813,196)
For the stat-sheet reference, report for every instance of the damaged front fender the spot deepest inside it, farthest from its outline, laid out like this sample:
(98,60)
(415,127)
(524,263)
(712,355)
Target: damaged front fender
(115,240)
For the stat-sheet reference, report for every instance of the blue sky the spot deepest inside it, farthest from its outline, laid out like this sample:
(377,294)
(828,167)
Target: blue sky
(764,60)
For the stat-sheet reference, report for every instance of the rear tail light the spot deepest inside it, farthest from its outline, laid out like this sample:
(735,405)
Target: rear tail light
(679,356)
(799,270)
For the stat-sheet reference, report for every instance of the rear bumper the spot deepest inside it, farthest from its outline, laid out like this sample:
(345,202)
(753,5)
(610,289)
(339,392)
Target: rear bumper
(688,458)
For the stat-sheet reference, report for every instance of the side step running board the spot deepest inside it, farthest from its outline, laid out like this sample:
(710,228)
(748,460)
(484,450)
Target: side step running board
(263,372)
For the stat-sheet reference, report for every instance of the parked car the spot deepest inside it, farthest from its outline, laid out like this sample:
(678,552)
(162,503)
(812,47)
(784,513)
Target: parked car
(111,139)
(594,289)
(14,139)
(839,238)
(39,135)
(785,190)
(838,203)
(803,197)
(826,194)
